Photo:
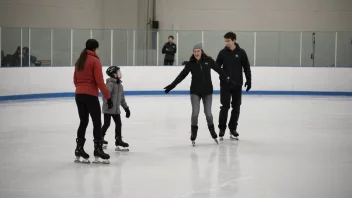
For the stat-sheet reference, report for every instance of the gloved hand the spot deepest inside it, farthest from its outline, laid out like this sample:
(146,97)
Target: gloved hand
(110,104)
(128,112)
(169,88)
(248,84)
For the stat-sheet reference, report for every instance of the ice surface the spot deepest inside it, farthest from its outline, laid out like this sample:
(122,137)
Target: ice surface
(289,147)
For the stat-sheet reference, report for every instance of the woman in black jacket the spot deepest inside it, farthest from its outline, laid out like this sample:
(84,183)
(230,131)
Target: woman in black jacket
(201,87)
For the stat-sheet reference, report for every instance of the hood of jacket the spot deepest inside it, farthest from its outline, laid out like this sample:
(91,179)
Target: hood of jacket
(113,80)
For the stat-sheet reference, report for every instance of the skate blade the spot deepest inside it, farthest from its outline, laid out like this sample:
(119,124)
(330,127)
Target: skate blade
(193,143)
(84,161)
(221,138)
(121,149)
(97,161)
(216,141)
(234,138)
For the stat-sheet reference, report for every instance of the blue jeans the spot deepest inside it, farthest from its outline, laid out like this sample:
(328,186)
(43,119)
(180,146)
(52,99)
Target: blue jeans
(207,102)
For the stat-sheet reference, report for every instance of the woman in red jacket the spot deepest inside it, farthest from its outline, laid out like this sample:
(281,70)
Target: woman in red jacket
(88,78)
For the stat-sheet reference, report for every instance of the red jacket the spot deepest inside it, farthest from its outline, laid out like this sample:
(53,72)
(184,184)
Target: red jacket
(91,77)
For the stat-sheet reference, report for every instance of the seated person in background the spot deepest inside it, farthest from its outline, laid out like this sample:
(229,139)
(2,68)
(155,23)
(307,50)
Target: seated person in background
(16,58)
(2,58)
(7,61)
(29,61)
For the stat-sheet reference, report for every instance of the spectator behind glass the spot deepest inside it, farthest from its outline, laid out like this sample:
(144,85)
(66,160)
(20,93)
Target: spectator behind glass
(169,50)
(25,58)
(16,58)
(2,58)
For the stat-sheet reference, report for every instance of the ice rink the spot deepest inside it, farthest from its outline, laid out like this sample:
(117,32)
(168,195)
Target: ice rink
(290,147)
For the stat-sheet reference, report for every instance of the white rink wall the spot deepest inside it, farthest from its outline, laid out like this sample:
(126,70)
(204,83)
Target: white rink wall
(293,80)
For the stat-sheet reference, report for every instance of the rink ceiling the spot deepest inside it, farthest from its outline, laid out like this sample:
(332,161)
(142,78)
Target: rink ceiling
(290,146)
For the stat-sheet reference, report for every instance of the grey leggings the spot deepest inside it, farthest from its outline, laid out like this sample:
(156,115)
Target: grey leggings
(207,101)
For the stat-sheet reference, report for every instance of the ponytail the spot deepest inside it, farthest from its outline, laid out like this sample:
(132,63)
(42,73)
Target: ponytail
(81,60)
(92,45)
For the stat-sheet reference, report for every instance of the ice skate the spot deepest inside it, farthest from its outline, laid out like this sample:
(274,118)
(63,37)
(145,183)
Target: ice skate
(105,143)
(99,153)
(79,152)
(194,130)
(234,135)
(221,135)
(213,133)
(120,145)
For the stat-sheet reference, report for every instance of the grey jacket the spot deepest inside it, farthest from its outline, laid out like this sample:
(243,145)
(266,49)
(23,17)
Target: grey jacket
(117,97)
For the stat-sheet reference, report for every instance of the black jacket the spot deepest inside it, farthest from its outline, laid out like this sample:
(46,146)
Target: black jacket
(169,50)
(232,63)
(201,76)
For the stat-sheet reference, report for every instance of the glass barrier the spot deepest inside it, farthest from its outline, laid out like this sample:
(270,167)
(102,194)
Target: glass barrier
(61,48)
(11,46)
(318,49)
(344,49)
(23,47)
(79,38)
(105,44)
(186,41)
(121,48)
(39,49)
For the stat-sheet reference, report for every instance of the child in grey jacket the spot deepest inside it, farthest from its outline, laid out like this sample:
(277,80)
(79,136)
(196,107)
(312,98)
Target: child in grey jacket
(118,98)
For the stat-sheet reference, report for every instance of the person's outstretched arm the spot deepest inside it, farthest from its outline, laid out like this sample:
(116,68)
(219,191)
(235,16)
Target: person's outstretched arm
(183,74)
(218,70)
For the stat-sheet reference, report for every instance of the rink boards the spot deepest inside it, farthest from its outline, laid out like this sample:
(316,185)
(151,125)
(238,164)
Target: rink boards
(44,82)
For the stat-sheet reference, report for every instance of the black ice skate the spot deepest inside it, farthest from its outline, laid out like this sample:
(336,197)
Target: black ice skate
(105,143)
(213,133)
(194,130)
(120,145)
(79,152)
(99,153)
(221,135)
(234,135)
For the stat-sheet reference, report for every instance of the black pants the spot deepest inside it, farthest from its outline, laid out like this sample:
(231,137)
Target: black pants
(168,62)
(225,98)
(118,124)
(88,105)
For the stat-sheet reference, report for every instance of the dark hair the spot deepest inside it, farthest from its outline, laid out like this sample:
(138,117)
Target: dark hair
(91,45)
(26,49)
(230,35)
(204,56)
(18,50)
(171,37)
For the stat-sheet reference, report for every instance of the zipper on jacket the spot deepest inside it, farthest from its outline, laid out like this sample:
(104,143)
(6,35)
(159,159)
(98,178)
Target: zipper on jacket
(201,71)
(232,52)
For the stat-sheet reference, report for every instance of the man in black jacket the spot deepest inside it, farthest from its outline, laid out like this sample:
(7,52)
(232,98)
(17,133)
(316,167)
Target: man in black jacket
(169,50)
(232,59)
